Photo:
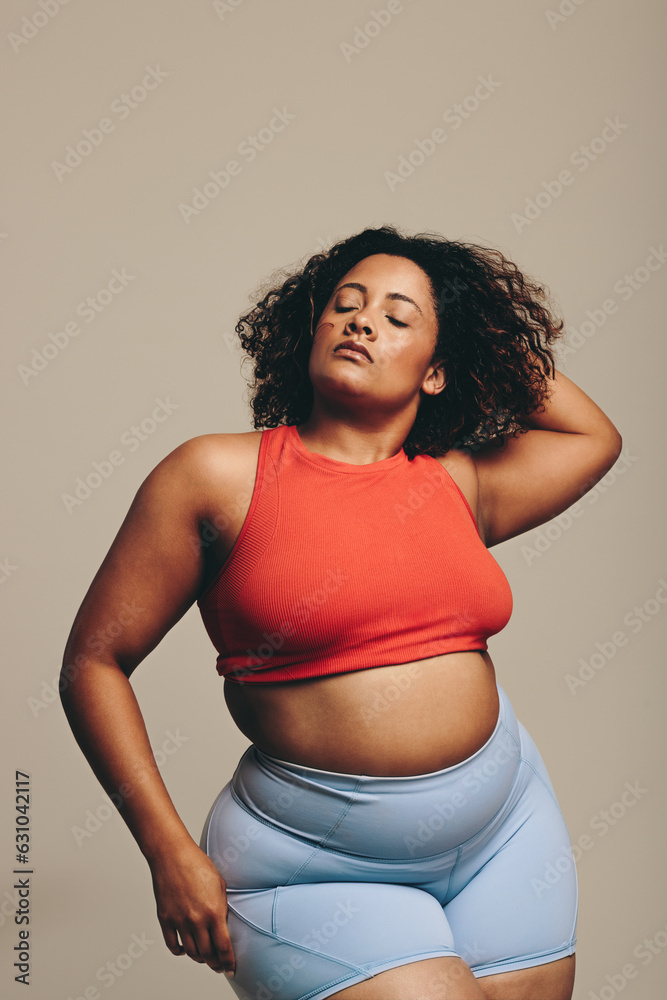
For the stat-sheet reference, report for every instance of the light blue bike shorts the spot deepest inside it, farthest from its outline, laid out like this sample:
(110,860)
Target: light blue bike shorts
(333,878)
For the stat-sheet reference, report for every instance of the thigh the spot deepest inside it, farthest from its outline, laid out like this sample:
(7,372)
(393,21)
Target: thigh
(432,979)
(451,979)
(309,941)
(553,981)
(514,907)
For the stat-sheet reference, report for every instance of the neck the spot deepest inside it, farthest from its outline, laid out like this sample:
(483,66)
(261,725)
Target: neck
(355,438)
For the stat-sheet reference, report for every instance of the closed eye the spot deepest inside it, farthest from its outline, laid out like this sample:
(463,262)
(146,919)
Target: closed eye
(345,309)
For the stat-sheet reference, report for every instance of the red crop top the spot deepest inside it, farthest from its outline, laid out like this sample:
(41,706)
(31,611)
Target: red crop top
(339,567)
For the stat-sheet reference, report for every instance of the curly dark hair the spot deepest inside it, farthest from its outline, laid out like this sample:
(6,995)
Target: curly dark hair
(494,332)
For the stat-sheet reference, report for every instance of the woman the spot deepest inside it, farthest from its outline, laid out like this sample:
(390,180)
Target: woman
(387,833)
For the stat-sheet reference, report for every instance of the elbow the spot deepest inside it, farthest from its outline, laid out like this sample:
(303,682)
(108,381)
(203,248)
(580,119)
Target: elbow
(609,452)
(70,670)
(615,446)
(74,666)
(81,673)
(609,442)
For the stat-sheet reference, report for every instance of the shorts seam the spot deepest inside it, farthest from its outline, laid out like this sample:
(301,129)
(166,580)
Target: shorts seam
(506,844)
(449,880)
(289,833)
(517,743)
(468,842)
(293,944)
(511,963)
(320,845)
(272,826)
(268,823)
(402,959)
(480,833)
(487,862)
(524,760)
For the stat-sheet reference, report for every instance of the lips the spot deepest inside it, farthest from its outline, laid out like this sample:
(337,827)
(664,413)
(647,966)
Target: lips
(353,345)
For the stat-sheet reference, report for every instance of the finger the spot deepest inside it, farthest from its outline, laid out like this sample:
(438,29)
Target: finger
(210,955)
(221,944)
(190,945)
(171,939)
(218,952)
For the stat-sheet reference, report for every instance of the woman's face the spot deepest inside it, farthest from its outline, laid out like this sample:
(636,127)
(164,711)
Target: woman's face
(384,303)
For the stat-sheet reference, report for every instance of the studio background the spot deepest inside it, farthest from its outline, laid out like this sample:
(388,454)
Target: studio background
(338,116)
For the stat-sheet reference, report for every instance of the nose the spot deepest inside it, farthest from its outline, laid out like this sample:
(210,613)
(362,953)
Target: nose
(360,323)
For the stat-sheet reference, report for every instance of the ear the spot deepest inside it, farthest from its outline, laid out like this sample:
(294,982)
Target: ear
(435,380)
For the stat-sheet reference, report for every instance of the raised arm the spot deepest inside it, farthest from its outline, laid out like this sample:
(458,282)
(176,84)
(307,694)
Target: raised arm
(149,578)
(536,475)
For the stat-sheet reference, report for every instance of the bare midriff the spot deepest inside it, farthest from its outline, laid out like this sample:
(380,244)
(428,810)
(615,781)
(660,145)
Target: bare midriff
(408,718)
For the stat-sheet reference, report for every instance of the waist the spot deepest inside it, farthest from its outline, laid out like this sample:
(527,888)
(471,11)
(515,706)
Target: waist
(397,719)
(322,805)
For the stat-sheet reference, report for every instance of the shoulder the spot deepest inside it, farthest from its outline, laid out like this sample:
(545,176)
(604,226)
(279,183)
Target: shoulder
(208,466)
(205,452)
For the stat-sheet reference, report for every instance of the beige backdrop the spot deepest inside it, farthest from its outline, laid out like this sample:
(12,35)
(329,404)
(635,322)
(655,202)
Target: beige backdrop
(535,128)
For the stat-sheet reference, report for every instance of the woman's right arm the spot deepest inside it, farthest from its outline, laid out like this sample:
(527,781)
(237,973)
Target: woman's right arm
(148,580)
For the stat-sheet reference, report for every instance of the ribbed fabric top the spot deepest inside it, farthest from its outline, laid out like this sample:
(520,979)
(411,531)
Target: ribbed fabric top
(339,567)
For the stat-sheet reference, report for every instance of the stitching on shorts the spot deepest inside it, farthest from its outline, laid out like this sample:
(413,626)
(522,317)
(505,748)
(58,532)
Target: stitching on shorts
(507,843)
(468,842)
(293,944)
(411,956)
(524,760)
(510,963)
(517,743)
(388,861)
(266,822)
(274,913)
(451,875)
(287,833)
(322,842)
(487,862)
(481,833)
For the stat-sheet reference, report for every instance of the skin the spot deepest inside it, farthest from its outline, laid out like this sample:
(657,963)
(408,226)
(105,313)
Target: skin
(362,413)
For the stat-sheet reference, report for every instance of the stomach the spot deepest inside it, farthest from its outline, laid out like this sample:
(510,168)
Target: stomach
(394,720)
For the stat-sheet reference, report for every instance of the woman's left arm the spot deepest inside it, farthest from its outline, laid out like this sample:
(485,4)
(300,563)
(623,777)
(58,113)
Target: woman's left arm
(533,477)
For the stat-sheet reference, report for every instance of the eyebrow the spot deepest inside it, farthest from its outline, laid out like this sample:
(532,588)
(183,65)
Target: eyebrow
(390,295)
